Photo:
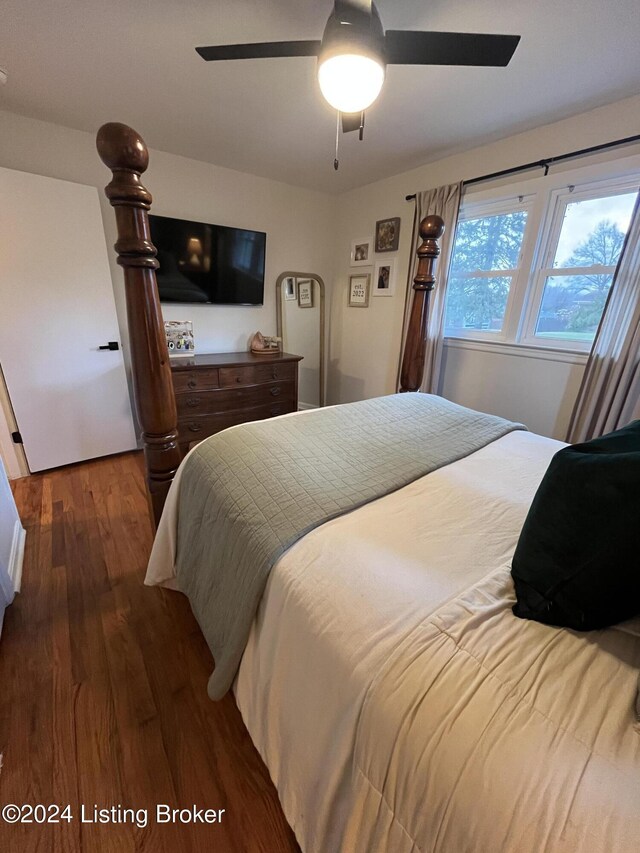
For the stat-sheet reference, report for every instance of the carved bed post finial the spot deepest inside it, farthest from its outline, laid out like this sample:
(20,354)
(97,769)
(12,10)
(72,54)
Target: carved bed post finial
(431,229)
(123,151)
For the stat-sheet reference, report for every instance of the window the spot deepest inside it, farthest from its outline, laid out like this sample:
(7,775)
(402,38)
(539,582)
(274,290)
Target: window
(485,261)
(584,250)
(536,269)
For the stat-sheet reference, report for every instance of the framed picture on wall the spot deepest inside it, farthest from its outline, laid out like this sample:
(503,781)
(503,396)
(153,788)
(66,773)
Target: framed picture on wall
(359,286)
(361,252)
(388,234)
(384,280)
(305,293)
(290,290)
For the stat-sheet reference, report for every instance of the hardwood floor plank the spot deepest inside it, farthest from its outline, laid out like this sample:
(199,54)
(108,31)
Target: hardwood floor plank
(65,694)
(103,699)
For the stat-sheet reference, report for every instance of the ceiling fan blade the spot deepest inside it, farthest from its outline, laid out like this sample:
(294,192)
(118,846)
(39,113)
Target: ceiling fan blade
(351,121)
(262,50)
(404,47)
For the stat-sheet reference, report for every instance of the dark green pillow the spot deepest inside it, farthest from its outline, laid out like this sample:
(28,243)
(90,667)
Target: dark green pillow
(577,562)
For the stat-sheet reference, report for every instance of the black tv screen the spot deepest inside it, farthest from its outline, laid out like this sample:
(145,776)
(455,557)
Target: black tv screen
(208,263)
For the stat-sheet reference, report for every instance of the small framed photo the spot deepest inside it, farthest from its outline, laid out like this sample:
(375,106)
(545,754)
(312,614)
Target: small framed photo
(384,280)
(359,286)
(290,294)
(361,253)
(305,293)
(388,234)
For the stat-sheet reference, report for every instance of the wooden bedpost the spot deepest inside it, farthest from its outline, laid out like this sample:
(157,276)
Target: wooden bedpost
(123,151)
(431,229)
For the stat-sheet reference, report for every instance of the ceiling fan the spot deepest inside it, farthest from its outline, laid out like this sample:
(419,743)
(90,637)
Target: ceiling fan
(355,51)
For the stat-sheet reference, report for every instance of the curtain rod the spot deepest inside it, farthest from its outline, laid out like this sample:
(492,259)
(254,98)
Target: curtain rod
(545,162)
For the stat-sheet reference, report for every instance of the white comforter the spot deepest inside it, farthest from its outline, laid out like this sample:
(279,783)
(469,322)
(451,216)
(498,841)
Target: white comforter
(401,707)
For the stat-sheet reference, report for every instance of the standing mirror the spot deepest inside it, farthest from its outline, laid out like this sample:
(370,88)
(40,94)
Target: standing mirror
(300,309)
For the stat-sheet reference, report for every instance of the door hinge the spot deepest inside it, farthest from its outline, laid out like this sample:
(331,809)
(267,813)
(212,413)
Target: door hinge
(17,438)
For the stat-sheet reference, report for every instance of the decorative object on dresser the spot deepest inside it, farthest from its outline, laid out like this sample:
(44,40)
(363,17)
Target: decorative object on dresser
(264,344)
(218,390)
(388,234)
(180,340)
(359,286)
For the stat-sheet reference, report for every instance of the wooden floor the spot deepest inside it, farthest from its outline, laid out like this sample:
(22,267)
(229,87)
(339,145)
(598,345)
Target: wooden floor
(103,685)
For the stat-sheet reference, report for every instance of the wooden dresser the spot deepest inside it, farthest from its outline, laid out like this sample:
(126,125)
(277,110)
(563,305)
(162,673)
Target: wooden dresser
(218,390)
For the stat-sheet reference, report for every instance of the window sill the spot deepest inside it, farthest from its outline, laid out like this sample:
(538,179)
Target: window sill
(565,356)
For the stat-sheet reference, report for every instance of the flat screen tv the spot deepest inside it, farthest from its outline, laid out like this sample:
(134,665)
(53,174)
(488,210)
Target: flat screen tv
(208,263)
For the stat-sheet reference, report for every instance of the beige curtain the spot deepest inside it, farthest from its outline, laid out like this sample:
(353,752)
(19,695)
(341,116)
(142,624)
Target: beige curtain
(445,202)
(609,397)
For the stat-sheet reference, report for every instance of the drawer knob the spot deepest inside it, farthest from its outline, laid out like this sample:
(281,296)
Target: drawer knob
(275,392)
(192,383)
(274,375)
(195,427)
(277,410)
(238,379)
(192,401)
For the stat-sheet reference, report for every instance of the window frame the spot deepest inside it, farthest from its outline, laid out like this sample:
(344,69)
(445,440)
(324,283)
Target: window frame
(542,233)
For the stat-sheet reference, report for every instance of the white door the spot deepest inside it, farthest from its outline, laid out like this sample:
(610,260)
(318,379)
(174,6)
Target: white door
(57,309)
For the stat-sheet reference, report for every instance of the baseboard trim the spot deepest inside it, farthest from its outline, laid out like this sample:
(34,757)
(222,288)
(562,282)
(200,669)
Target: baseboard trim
(16,557)
(302,407)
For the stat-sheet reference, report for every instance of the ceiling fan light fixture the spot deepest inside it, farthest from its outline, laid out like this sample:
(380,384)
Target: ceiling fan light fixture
(352,60)
(350,82)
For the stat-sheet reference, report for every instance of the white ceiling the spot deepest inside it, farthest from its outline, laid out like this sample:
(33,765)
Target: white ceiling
(83,62)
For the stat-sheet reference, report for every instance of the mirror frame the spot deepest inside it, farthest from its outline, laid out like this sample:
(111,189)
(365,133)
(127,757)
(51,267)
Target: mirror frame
(321,305)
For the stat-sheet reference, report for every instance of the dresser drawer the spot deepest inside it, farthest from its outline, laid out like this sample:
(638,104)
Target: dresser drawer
(210,402)
(255,374)
(195,380)
(200,426)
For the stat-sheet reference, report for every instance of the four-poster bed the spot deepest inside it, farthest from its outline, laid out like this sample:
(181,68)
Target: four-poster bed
(396,700)
(123,151)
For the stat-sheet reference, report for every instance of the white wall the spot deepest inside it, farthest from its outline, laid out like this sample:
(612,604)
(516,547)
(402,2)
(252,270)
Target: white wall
(537,390)
(365,343)
(297,222)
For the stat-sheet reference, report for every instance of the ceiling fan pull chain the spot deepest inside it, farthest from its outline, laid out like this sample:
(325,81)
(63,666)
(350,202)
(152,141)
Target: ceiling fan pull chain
(336,161)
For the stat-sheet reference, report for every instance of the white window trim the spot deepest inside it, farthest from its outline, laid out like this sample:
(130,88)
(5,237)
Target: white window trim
(525,293)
